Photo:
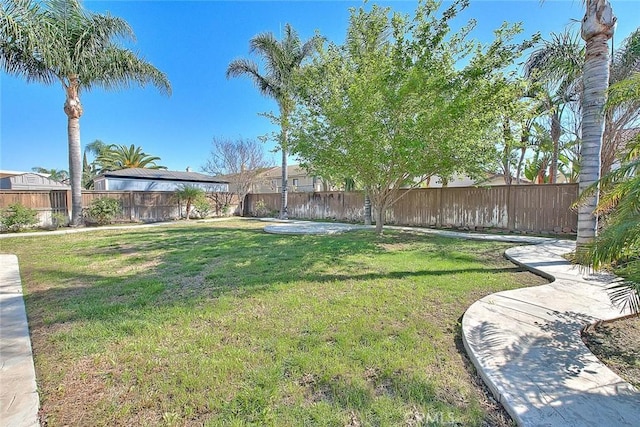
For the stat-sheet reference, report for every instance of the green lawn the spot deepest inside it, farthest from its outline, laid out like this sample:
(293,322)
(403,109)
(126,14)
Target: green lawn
(222,324)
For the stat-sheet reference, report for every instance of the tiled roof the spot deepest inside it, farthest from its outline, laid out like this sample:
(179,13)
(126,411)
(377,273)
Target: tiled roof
(164,175)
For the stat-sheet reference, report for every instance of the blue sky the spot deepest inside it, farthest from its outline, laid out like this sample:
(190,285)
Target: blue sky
(193,42)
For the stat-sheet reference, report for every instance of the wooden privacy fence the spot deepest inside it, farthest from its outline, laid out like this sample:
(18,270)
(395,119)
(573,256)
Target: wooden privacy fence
(145,206)
(516,208)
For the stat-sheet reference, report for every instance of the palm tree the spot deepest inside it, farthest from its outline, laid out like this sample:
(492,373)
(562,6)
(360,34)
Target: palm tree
(597,29)
(58,41)
(282,60)
(117,157)
(598,26)
(556,68)
(189,194)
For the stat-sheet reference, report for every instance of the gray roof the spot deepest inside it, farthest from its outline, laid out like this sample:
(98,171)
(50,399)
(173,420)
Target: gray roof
(164,175)
(30,181)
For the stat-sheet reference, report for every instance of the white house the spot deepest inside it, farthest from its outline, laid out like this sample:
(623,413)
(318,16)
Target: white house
(140,179)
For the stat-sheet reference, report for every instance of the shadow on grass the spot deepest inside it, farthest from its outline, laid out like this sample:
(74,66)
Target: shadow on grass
(178,266)
(98,289)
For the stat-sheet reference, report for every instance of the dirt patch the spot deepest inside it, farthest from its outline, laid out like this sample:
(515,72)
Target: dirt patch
(617,345)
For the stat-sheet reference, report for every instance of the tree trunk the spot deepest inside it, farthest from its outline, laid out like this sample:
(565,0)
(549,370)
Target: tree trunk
(523,151)
(555,137)
(188,209)
(597,28)
(73,110)
(506,161)
(367,208)
(379,219)
(524,143)
(284,214)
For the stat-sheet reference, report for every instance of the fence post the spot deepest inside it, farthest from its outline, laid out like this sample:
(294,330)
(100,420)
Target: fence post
(131,216)
(438,207)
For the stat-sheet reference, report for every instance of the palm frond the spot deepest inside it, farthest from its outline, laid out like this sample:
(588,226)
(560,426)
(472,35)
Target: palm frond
(57,39)
(559,59)
(626,59)
(240,67)
(624,91)
(117,68)
(20,36)
(626,296)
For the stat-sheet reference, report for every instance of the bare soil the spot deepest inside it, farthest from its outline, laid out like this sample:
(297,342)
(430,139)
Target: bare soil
(617,345)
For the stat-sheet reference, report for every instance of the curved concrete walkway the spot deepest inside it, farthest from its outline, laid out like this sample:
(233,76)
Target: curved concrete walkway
(526,343)
(527,347)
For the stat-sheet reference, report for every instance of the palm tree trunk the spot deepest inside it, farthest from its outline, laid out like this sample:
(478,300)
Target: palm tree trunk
(555,137)
(284,214)
(73,110)
(597,28)
(284,128)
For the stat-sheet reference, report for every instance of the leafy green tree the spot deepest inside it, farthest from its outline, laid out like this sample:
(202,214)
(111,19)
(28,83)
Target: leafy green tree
(190,195)
(389,109)
(518,111)
(117,157)
(282,60)
(52,41)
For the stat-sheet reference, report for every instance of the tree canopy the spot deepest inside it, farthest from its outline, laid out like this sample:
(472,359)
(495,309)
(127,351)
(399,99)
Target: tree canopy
(402,100)
(116,157)
(241,161)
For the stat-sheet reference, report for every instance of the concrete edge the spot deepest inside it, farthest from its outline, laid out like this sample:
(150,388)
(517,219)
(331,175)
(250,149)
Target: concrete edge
(69,230)
(18,395)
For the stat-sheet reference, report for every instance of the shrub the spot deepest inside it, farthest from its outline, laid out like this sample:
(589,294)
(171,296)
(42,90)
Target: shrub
(202,206)
(261,210)
(58,219)
(15,217)
(103,210)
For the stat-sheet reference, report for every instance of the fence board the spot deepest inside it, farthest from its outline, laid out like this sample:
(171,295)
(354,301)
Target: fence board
(526,208)
(146,206)
(518,208)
